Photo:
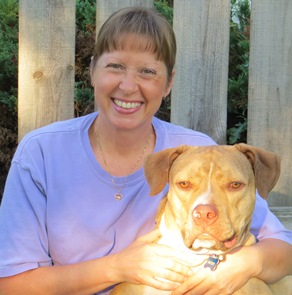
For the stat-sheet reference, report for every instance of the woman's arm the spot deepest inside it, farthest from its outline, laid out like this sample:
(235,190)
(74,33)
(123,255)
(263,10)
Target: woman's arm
(273,259)
(82,278)
(139,264)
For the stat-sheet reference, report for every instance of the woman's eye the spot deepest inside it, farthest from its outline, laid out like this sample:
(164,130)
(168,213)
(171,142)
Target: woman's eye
(148,72)
(115,66)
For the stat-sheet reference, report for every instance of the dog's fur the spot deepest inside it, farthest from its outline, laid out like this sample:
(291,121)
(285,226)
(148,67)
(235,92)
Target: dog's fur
(209,205)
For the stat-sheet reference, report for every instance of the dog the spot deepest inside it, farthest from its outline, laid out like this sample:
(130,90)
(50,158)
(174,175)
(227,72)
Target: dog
(209,204)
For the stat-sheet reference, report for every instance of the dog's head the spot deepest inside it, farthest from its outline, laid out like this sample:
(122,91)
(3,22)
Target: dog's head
(212,190)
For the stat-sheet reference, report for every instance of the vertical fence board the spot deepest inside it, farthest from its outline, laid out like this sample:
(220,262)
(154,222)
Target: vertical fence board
(270,88)
(46,62)
(104,8)
(199,95)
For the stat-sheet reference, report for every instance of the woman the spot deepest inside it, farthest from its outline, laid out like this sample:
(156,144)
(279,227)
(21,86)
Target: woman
(76,209)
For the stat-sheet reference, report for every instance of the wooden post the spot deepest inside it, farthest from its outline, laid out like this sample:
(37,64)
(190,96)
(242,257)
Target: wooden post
(46,62)
(270,88)
(199,96)
(104,8)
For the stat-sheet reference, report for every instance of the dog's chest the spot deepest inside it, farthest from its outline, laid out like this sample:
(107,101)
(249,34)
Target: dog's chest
(172,237)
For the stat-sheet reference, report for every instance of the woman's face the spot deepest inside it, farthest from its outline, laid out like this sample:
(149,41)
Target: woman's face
(129,85)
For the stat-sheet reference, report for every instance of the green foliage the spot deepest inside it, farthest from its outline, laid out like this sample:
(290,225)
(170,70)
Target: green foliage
(236,132)
(8,85)
(238,71)
(9,99)
(85,38)
(84,102)
(85,14)
(8,53)
(165,8)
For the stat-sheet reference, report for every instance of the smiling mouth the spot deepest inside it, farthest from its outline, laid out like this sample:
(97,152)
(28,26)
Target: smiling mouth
(127,105)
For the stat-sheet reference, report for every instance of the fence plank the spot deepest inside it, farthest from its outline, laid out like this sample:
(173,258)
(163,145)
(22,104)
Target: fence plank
(199,96)
(104,8)
(270,88)
(46,62)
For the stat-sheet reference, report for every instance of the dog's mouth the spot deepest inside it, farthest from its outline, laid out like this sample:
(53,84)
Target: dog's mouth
(209,242)
(230,243)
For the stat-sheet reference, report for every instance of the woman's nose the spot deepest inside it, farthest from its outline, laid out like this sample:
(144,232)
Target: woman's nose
(129,81)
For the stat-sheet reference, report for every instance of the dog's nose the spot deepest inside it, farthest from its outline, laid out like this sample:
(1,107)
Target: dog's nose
(205,214)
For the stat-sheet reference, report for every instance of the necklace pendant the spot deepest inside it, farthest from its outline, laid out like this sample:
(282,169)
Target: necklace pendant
(118,196)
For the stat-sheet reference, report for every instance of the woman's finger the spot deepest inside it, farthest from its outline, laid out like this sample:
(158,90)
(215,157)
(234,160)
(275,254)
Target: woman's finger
(186,257)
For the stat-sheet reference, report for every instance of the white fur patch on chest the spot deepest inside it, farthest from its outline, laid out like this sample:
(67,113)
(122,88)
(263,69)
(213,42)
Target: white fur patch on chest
(171,238)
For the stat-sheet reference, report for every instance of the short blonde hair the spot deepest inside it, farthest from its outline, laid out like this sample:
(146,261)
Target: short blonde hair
(151,30)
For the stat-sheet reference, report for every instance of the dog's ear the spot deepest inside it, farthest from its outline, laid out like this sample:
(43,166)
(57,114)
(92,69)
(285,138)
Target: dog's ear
(266,166)
(157,165)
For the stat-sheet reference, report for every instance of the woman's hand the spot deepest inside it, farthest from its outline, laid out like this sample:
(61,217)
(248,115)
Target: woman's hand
(230,275)
(265,260)
(158,266)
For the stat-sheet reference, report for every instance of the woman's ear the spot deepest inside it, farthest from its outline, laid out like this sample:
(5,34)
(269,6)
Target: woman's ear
(169,84)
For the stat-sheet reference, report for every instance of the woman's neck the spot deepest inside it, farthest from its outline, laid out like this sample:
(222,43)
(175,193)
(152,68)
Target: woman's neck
(121,152)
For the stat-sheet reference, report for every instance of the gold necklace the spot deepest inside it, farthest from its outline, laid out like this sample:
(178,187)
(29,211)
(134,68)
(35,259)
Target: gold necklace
(118,195)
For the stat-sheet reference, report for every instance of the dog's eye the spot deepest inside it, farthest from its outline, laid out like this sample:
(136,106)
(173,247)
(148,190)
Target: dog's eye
(234,185)
(184,184)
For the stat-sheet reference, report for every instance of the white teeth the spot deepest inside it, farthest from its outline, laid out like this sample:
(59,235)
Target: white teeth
(127,105)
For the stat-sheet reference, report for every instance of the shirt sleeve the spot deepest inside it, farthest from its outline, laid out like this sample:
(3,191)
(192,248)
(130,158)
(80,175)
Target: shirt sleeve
(266,225)
(23,235)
